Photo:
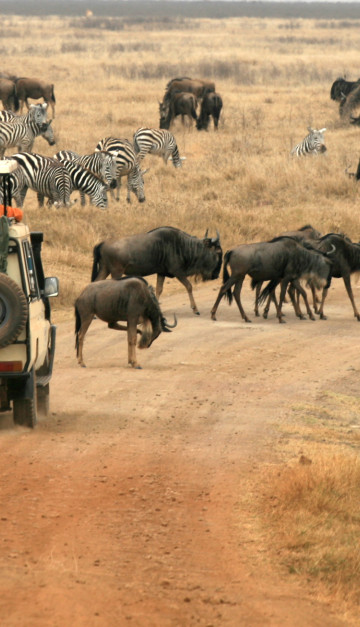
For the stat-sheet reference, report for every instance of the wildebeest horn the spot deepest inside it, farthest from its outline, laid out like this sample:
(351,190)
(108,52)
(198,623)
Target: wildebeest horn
(166,326)
(332,250)
(217,238)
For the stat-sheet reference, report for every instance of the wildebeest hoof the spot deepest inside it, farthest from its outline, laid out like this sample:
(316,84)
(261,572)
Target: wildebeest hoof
(197,313)
(323,317)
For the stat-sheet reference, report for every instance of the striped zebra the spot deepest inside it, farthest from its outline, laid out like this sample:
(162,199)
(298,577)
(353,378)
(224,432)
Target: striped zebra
(46,177)
(101,164)
(127,165)
(40,115)
(87,183)
(157,142)
(312,144)
(23,135)
(18,187)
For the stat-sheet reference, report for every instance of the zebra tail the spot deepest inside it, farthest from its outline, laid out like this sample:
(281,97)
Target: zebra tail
(96,261)
(136,145)
(228,294)
(265,293)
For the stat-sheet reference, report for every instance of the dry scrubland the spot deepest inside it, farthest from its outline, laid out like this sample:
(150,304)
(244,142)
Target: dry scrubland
(275,78)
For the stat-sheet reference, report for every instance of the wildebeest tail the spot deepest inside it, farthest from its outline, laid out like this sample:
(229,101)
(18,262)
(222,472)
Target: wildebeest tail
(16,100)
(96,261)
(53,93)
(228,294)
(77,329)
(265,293)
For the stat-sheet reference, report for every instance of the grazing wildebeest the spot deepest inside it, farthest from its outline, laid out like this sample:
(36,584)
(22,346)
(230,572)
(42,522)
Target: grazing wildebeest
(165,251)
(210,107)
(279,261)
(342,88)
(35,88)
(312,144)
(197,86)
(180,103)
(129,299)
(8,95)
(346,261)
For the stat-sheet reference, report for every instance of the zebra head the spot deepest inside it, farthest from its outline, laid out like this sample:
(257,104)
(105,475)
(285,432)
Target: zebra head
(47,133)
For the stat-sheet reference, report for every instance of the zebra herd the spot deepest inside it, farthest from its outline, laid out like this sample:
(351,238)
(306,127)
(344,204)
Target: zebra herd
(93,175)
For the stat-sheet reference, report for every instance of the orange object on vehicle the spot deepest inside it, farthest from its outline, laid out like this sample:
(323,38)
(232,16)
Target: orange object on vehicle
(12,212)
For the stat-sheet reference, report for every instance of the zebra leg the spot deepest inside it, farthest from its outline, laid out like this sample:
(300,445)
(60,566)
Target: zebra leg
(40,198)
(82,199)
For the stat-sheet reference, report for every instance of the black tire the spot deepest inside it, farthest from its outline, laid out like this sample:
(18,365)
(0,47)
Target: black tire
(43,396)
(13,310)
(25,409)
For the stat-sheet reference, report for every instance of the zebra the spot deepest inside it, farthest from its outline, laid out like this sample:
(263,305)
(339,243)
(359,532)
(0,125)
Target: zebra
(87,183)
(23,135)
(127,165)
(18,186)
(157,141)
(45,176)
(40,113)
(101,164)
(313,143)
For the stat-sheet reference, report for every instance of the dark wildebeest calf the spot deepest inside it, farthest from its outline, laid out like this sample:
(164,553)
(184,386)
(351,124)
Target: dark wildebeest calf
(210,107)
(179,103)
(280,261)
(166,251)
(8,94)
(130,299)
(35,88)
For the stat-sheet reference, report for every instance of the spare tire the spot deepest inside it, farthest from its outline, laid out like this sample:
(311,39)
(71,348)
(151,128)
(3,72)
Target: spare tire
(13,310)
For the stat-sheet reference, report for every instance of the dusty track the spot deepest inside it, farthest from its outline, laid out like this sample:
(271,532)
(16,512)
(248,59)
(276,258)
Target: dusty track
(132,504)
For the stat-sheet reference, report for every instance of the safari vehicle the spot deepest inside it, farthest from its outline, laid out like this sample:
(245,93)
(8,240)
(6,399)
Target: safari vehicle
(27,336)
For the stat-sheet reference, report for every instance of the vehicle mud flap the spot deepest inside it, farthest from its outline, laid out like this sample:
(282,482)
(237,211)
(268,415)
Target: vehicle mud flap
(23,394)
(43,375)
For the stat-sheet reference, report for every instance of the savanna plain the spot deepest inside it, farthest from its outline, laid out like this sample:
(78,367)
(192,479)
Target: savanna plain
(220,484)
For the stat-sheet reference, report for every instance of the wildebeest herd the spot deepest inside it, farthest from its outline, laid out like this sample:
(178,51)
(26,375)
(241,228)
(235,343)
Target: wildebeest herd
(287,261)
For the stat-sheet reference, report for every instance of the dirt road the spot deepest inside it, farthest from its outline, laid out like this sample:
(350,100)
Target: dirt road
(133,502)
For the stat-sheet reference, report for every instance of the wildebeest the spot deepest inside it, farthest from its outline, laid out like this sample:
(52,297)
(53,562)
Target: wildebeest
(346,261)
(279,261)
(166,252)
(210,107)
(349,103)
(342,88)
(129,299)
(197,86)
(180,103)
(35,88)
(8,95)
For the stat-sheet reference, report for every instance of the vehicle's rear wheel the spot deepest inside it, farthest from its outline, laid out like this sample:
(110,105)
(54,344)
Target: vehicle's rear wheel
(25,409)
(43,395)
(13,310)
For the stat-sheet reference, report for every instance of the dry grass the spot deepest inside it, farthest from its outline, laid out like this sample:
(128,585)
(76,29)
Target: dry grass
(275,78)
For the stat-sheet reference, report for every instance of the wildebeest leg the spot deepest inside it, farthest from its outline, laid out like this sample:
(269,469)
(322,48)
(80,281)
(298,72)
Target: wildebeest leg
(296,285)
(226,287)
(271,298)
(237,291)
(321,308)
(186,283)
(257,294)
(159,285)
(347,282)
(132,331)
(85,323)
(283,289)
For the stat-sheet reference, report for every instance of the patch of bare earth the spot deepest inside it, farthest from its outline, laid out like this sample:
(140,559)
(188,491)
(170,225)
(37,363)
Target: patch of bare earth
(134,502)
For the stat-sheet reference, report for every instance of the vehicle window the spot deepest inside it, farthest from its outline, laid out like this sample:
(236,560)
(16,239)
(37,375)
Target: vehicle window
(30,268)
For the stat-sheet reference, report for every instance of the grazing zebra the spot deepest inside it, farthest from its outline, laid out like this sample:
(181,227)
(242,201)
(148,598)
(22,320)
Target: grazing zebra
(102,164)
(312,144)
(127,165)
(23,135)
(157,141)
(47,177)
(87,183)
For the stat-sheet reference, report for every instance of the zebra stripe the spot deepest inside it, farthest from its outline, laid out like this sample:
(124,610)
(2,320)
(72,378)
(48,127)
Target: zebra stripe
(88,183)
(101,164)
(126,165)
(18,187)
(37,113)
(23,135)
(313,143)
(47,177)
(156,141)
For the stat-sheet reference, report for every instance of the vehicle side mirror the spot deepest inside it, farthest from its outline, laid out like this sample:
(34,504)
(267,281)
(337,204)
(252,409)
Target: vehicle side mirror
(51,286)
